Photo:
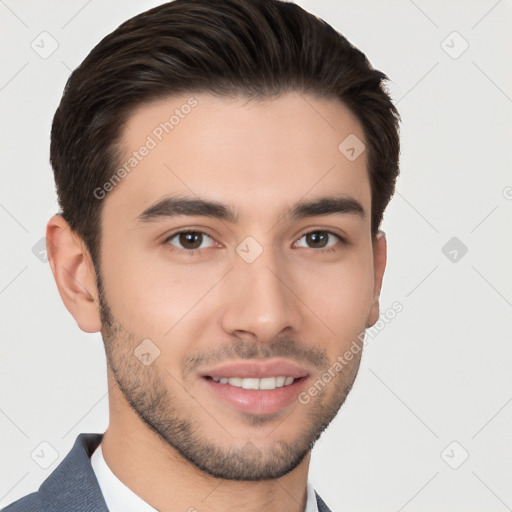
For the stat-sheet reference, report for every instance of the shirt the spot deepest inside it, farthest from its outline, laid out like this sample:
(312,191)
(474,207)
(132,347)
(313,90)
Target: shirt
(120,498)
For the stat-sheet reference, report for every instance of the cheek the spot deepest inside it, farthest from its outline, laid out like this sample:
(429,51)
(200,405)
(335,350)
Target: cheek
(150,299)
(131,288)
(342,297)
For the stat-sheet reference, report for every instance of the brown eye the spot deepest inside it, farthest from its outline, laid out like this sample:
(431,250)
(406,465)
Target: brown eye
(320,239)
(188,240)
(317,239)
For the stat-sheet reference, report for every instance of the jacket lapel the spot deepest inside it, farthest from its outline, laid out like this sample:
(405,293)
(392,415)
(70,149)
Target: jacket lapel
(322,507)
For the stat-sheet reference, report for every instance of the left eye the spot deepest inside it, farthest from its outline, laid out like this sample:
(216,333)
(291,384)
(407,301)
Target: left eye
(319,239)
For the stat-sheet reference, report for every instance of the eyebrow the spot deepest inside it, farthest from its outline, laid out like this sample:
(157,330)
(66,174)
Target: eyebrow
(175,206)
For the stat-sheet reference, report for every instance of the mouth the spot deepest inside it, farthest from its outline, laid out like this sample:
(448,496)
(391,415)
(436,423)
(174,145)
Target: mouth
(256,387)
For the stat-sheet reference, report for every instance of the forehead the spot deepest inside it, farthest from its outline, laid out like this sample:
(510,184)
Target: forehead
(252,154)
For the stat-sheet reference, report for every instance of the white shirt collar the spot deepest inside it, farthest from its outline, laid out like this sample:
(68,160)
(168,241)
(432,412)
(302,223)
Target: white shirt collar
(120,498)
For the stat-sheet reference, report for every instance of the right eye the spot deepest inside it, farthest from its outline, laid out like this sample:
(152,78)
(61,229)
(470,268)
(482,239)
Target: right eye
(190,241)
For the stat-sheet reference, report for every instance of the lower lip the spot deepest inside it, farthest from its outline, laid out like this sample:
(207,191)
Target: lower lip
(255,401)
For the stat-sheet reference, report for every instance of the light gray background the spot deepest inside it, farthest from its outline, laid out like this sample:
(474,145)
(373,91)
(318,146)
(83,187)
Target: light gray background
(438,373)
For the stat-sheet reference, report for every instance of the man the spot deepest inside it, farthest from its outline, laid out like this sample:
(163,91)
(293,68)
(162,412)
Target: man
(222,169)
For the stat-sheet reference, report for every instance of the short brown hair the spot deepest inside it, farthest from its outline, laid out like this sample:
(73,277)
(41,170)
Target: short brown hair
(254,48)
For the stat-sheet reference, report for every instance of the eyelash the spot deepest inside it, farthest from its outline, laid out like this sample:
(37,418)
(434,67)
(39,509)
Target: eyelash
(193,252)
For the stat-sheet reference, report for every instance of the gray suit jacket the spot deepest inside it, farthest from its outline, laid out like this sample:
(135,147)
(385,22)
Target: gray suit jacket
(72,486)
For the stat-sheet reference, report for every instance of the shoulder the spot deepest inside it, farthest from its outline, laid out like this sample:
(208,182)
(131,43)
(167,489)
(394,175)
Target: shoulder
(72,486)
(30,503)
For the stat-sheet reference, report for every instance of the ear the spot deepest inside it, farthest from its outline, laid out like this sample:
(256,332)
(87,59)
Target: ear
(379,265)
(74,273)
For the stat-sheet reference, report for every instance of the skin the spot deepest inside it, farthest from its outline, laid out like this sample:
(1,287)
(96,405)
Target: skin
(170,439)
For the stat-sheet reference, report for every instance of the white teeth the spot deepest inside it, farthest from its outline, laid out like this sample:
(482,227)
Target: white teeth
(280,381)
(249,383)
(268,383)
(253,383)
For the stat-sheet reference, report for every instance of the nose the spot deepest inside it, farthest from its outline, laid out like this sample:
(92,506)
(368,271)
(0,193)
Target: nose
(261,302)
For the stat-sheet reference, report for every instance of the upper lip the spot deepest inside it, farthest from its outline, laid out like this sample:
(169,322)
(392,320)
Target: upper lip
(257,369)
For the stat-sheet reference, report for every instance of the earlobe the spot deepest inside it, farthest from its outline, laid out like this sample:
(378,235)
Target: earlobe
(379,265)
(74,273)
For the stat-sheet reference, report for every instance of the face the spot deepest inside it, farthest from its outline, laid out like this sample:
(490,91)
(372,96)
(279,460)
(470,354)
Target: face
(237,266)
